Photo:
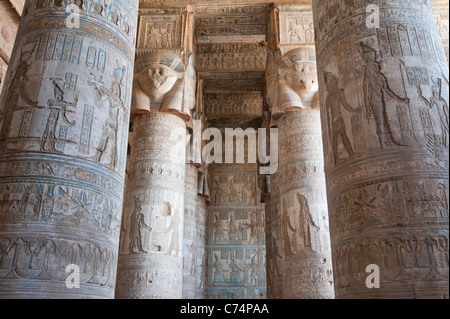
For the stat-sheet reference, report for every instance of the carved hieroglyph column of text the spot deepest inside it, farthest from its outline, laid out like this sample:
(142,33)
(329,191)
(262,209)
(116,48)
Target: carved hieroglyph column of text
(273,240)
(384,103)
(201,242)
(190,232)
(151,259)
(63,144)
(306,263)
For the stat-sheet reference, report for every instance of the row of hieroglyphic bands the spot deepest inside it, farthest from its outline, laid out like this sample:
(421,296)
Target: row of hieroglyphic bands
(384,103)
(151,246)
(64,122)
(236,234)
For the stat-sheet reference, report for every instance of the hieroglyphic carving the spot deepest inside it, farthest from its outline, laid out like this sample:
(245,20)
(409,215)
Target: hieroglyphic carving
(393,190)
(237,273)
(230,57)
(191,239)
(46,259)
(235,247)
(233,82)
(117,15)
(160,29)
(156,179)
(200,277)
(228,20)
(401,259)
(54,189)
(296,25)
(336,125)
(237,104)
(303,224)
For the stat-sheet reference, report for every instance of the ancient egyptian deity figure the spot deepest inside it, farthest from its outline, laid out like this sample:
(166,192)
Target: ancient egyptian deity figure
(292,81)
(137,224)
(336,125)
(158,85)
(306,223)
(376,91)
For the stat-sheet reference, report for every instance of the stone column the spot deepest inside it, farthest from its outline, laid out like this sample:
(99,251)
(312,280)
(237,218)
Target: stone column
(151,257)
(306,263)
(300,227)
(384,107)
(201,251)
(273,240)
(191,220)
(63,144)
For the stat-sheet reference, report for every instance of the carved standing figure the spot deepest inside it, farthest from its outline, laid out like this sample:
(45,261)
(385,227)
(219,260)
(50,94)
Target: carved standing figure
(56,106)
(286,224)
(306,223)
(336,124)
(137,223)
(174,245)
(376,91)
(110,134)
(17,89)
(436,100)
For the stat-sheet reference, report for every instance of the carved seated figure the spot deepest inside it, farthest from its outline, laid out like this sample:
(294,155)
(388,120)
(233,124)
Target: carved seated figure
(294,85)
(158,85)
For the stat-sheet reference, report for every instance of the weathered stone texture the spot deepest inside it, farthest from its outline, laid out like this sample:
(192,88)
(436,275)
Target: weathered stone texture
(384,107)
(64,125)
(151,255)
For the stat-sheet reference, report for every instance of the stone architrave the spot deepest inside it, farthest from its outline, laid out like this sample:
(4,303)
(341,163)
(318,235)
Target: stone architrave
(150,262)
(63,143)
(384,109)
(190,240)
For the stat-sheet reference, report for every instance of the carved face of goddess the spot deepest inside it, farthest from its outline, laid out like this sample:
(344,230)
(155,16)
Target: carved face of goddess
(157,80)
(302,77)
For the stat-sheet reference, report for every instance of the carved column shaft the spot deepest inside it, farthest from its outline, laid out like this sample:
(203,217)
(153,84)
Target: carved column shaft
(201,250)
(384,106)
(274,240)
(63,143)
(190,240)
(305,247)
(151,257)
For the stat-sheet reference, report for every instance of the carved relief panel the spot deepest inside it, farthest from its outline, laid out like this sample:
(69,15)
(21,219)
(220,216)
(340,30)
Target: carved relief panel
(160,29)
(231,57)
(295,25)
(232,104)
(387,183)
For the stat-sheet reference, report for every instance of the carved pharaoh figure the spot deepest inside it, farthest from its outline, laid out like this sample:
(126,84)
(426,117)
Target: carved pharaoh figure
(18,89)
(376,91)
(113,96)
(336,124)
(56,106)
(137,224)
(306,223)
(286,226)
